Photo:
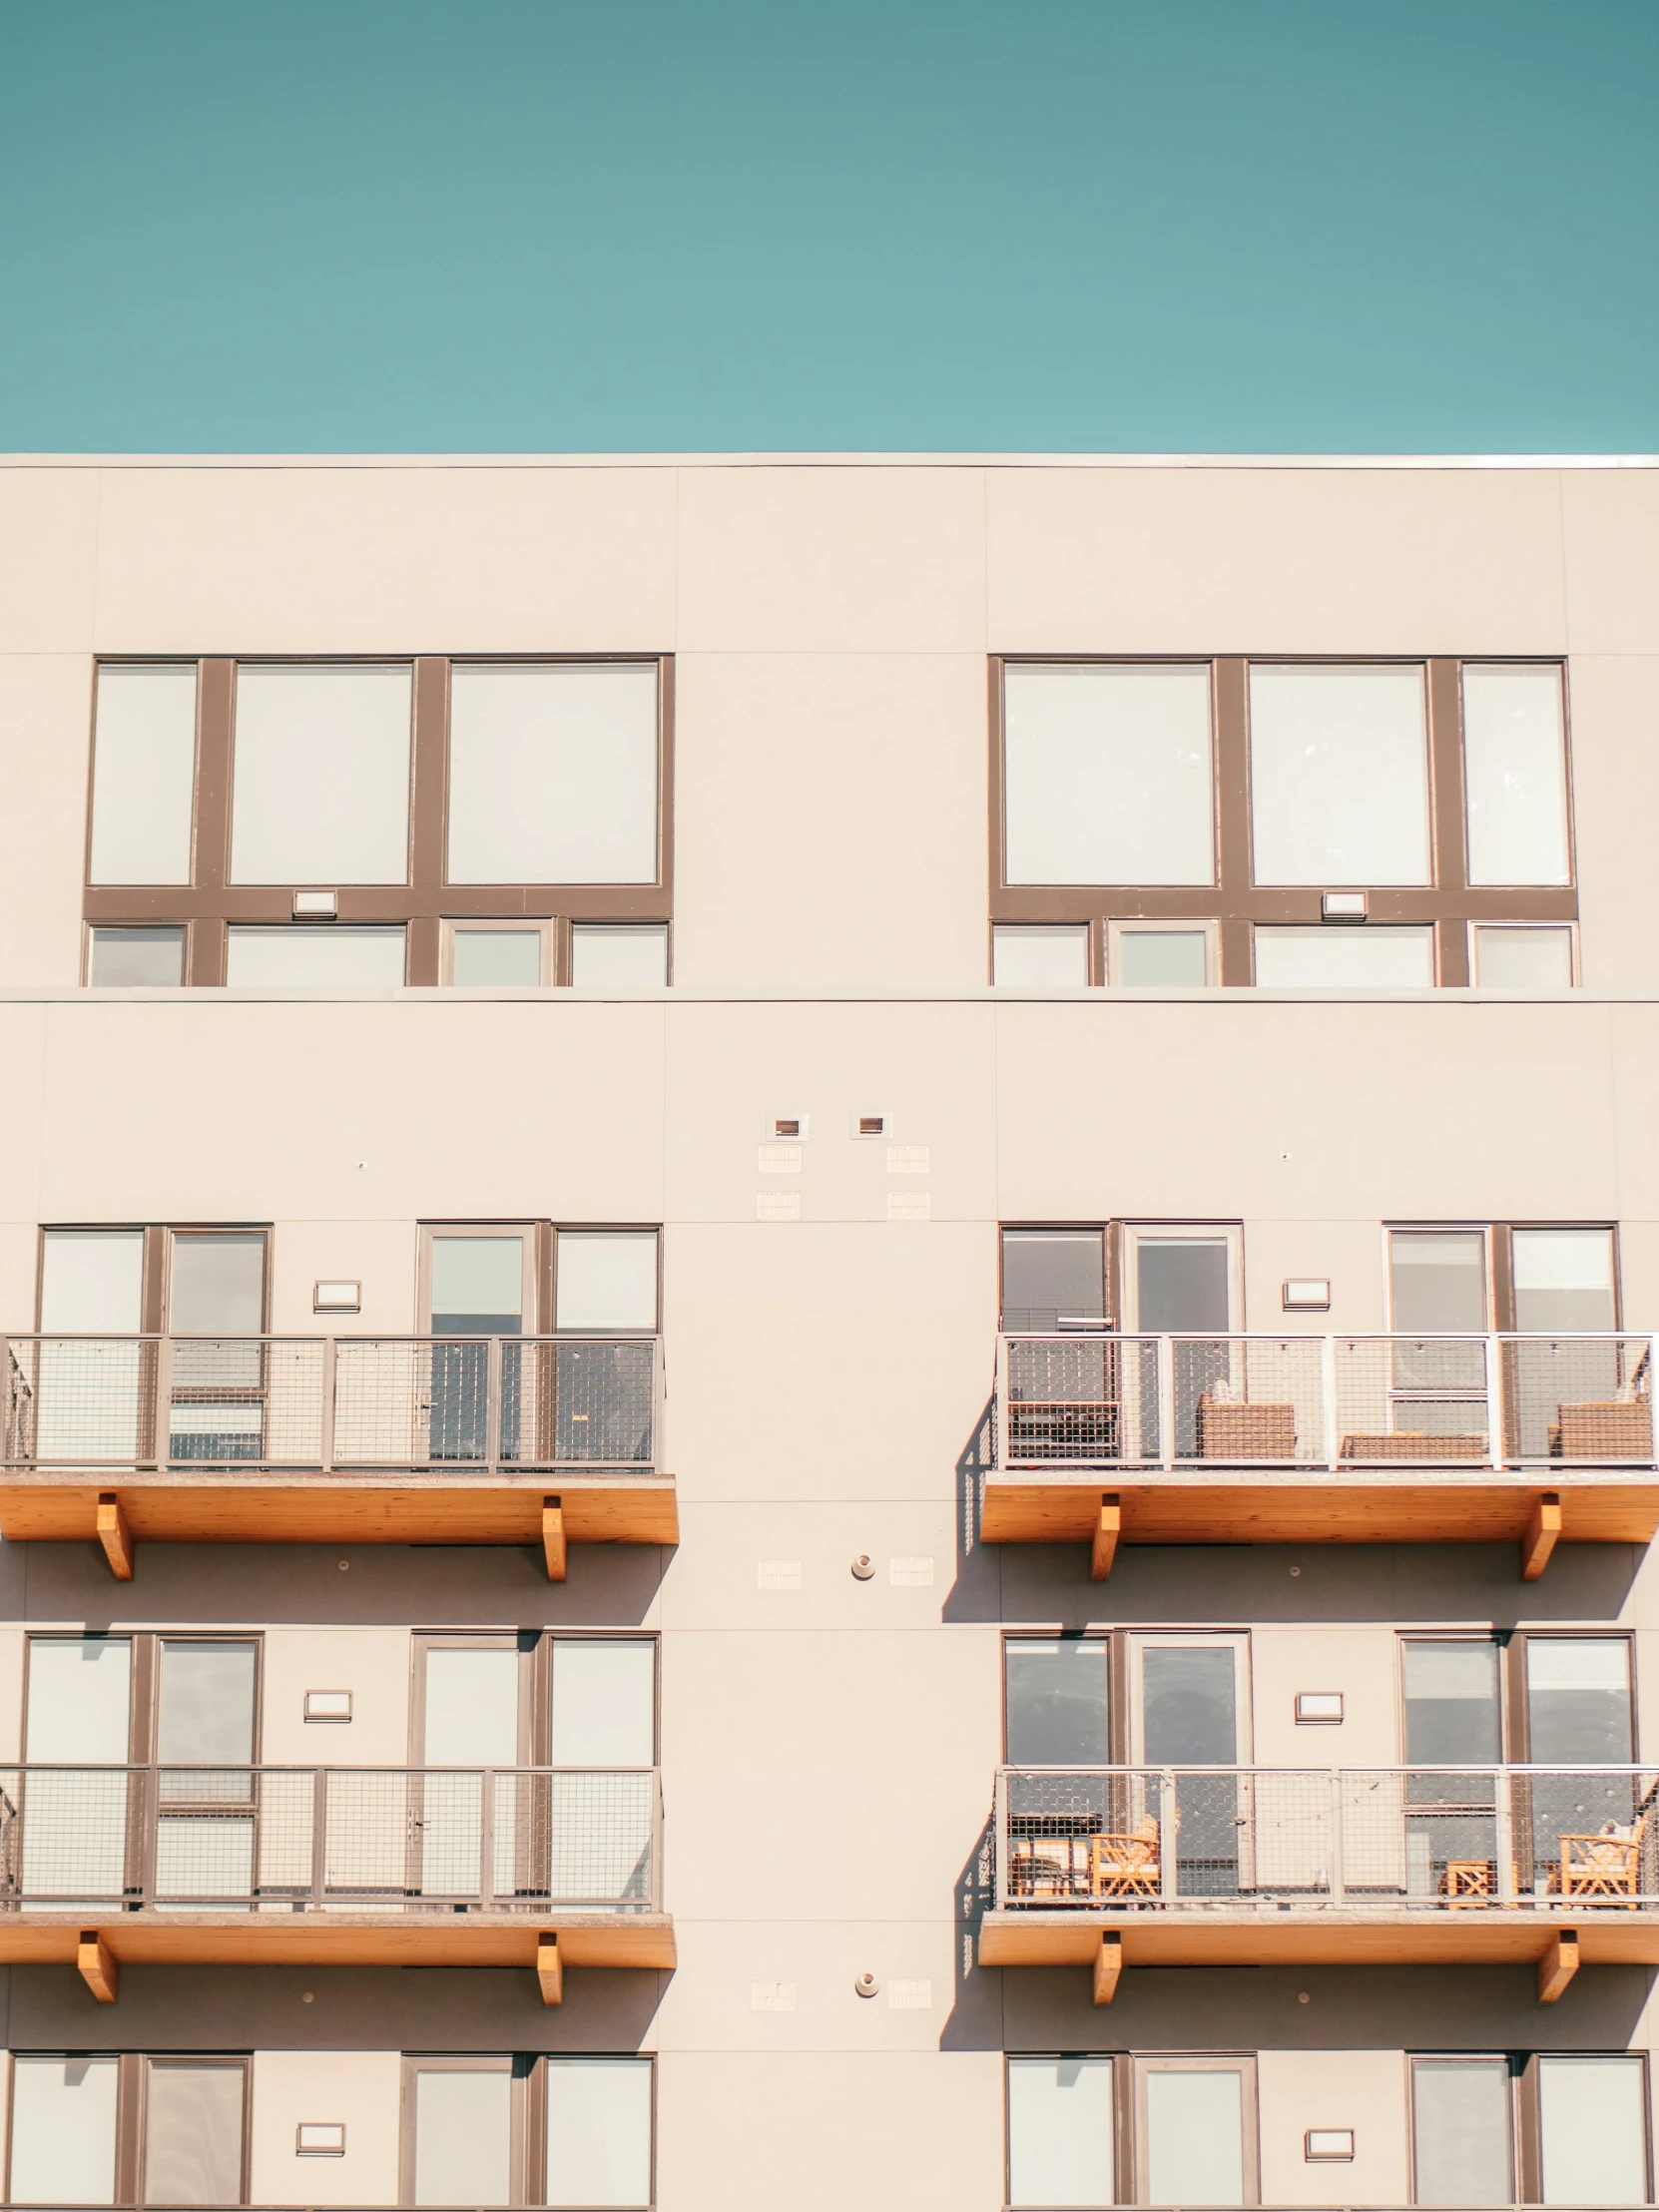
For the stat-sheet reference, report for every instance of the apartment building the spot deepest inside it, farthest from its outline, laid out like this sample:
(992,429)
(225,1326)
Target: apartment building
(827,1298)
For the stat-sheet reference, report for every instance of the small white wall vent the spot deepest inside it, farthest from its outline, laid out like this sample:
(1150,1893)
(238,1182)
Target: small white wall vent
(772,1997)
(319,2139)
(778,1574)
(335,1294)
(779,1159)
(910,1206)
(778,1206)
(328,1705)
(910,1575)
(909,1159)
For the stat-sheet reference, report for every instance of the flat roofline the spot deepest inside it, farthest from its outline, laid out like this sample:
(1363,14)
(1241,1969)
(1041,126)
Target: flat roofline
(671,995)
(832,460)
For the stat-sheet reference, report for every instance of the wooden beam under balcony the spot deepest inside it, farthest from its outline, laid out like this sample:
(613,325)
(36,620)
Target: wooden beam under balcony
(192,1938)
(1279,1506)
(1219,1936)
(213,1506)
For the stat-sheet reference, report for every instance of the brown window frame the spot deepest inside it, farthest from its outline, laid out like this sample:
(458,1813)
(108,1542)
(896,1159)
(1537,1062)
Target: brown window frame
(1235,903)
(132,2103)
(1500,1263)
(207,906)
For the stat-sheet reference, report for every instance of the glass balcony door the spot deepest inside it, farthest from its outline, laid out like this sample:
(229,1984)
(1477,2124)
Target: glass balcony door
(473,1697)
(89,1394)
(1190,1707)
(78,1823)
(1183,1281)
(217,1299)
(480,1285)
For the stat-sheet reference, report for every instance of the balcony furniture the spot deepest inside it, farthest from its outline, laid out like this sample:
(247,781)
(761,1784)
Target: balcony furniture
(1616,1429)
(1066,1429)
(1405,1444)
(1231,1430)
(1607,1866)
(1126,1866)
(1046,1865)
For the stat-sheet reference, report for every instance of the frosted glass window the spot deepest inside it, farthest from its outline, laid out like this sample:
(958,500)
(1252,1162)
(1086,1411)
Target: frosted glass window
(1508,958)
(91,1282)
(294,954)
(553,774)
(1579,1699)
(606,1279)
(1039,954)
(144,771)
(1460,2130)
(480,958)
(193,2135)
(320,786)
(1438,1281)
(1107,774)
(598,2132)
(218,1284)
(132,959)
(1339,776)
(80,1700)
(1453,1716)
(604,1703)
(462,2137)
(471,1708)
(1060,2133)
(1057,1707)
(63,2131)
(1592,2118)
(478,1286)
(1515,776)
(1194,2126)
(1338,958)
(1053,1278)
(205,1714)
(1171,957)
(628,956)
(1563,1279)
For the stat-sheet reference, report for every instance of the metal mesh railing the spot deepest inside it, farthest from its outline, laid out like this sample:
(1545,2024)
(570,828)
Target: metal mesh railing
(331,1402)
(360,1839)
(1162,1839)
(1100,1400)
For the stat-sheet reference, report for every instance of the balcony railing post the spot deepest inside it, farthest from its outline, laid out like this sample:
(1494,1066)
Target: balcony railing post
(1166,1399)
(492,1402)
(1497,1443)
(161,1437)
(319,1837)
(1328,1396)
(1168,1812)
(1504,1837)
(486,1826)
(331,1378)
(656,1836)
(999,1430)
(1333,1866)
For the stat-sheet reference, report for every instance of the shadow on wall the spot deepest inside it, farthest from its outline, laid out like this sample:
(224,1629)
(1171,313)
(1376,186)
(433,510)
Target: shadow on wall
(974,2019)
(975,1593)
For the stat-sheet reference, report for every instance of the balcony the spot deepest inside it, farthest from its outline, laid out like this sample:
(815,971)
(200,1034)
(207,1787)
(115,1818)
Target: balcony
(547,1441)
(1110,1438)
(1113,1867)
(540,1867)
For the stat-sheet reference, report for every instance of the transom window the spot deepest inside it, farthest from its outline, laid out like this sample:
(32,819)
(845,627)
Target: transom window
(1347,825)
(309,822)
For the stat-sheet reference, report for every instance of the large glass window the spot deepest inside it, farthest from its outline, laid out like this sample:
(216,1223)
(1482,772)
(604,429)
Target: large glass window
(1058,1711)
(1197,2133)
(598,2132)
(1339,776)
(1395,956)
(144,773)
(1578,1701)
(63,2132)
(1563,1279)
(193,2131)
(1592,2126)
(1108,775)
(1453,1712)
(463,2134)
(321,783)
(1516,775)
(1460,2131)
(1514,956)
(1061,2150)
(607,1279)
(1053,1278)
(204,1710)
(1438,1282)
(553,773)
(136,959)
(604,1704)
(291,955)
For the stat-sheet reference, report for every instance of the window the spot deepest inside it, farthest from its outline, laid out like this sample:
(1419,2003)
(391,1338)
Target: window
(1058,1711)
(1563,1279)
(1371,960)
(1592,2129)
(1460,2131)
(144,767)
(194,2126)
(604,1701)
(134,959)
(1578,1701)
(1061,2147)
(599,2131)
(63,2134)
(405,800)
(298,955)
(1454,1702)
(1054,956)
(1053,1278)
(1438,1282)
(1108,775)
(606,1279)
(1340,824)
(459,2148)
(1197,2132)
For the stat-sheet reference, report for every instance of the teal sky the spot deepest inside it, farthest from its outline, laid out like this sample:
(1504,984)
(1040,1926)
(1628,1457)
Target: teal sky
(498,226)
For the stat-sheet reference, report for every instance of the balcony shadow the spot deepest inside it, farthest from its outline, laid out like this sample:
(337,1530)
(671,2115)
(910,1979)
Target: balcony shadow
(975,1593)
(974,2019)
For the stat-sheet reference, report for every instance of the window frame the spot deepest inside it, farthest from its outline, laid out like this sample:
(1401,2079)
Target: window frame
(1123,2108)
(536,2124)
(140,2153)
(1235,904)
(1517,2129)
(1143,2063)
(1500,1265)
(1575,971)
(510,2063)
(207,905)
(1117,928)
(548,930)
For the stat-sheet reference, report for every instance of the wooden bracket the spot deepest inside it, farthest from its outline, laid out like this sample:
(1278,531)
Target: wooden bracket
(1108,1966)
(553,1537)
(114,1536)
(550,1970)
(96,1965)
(1107,1531)
(1542,1535)
(1557,1965)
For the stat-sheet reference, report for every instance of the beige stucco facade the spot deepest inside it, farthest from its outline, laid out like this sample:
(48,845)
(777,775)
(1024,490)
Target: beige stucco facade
(827,1749)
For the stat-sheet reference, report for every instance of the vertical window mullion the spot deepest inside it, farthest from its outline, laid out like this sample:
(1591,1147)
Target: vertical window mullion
(212,863)
(1233,873)
(427,813)
(1448,830)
